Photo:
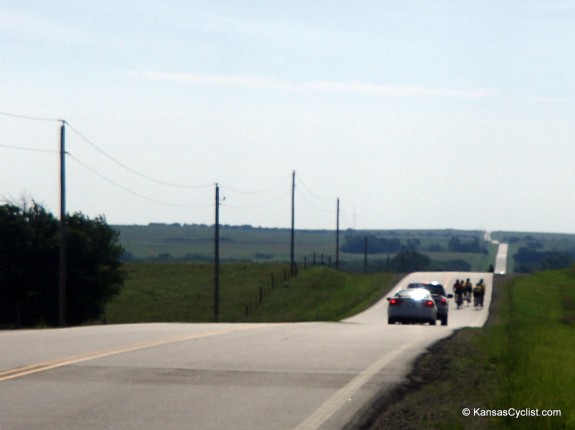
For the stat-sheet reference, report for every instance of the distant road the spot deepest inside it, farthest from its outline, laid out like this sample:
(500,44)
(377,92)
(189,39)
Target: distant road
(213,376)
(501,258)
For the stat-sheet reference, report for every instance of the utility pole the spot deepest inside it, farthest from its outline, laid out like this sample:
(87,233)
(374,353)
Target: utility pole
(292,244)
(365,255)
(217,258)
(62,263)
(337,238)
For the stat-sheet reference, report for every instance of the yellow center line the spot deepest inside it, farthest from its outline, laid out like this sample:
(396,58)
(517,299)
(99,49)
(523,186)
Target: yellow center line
(47,365)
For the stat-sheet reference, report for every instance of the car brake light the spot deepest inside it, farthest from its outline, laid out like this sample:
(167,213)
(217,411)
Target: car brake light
(429,303)
(443,301)
(394,302)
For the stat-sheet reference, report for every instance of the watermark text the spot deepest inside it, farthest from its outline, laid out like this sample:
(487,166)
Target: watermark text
(510,412)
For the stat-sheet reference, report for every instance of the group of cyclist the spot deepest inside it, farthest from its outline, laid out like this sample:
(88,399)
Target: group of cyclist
(464,290)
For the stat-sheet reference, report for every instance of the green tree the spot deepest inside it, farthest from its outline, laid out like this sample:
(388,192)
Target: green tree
(528,260)
(409,261)
(355,244)
(29,255)
(457,245)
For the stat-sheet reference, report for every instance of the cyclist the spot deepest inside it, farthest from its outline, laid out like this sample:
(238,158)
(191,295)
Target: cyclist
(467,289)
(458,291)
(478,293)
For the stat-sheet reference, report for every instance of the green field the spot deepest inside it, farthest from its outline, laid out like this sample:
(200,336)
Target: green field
(195,243)
(248,292)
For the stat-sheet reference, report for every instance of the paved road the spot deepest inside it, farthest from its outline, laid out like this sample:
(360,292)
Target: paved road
(212,376)
(501,257)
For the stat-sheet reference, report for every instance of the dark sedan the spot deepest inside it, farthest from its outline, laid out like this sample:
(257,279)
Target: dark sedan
(439,296)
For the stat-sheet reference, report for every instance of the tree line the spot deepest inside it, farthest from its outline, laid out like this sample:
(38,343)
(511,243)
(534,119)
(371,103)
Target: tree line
(373,244)
(529,260)
(29,266)
(405,256)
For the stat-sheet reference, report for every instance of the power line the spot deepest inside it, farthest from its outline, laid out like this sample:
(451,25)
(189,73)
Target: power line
(128,190)
(93,145)
(313,204)
(150,178)
(32,118)
(258,206)
(315,196)
(134,171)
(20,148)
(265,190)
(124,165)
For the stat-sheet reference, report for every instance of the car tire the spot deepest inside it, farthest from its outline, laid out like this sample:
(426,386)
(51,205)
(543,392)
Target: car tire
(391,320)
(444,320)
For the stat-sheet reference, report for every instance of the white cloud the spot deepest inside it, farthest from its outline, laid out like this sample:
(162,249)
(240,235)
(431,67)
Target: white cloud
(340,87)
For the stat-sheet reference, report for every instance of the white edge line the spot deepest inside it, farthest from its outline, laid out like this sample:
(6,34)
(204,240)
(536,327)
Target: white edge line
(342,396)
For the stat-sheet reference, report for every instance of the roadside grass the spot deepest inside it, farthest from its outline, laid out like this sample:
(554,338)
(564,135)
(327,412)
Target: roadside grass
(163,292)
(323,294)
(538,366)
(182,292)
(521,359)
(179,292)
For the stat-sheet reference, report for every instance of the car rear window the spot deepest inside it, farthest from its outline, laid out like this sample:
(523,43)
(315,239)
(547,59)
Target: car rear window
(432,288)
(435,289)
(414,293)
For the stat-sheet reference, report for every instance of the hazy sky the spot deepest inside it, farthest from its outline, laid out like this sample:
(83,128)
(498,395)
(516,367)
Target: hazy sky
(414,113)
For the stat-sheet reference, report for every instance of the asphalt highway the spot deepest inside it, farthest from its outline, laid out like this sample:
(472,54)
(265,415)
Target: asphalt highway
(214,376)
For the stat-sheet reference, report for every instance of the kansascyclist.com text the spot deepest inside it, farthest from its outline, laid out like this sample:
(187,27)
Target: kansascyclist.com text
(510,412)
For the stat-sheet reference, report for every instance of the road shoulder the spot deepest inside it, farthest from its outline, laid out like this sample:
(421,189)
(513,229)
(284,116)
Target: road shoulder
(454,374)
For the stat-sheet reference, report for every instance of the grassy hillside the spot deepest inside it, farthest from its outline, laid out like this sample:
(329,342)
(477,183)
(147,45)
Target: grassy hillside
(248,292)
